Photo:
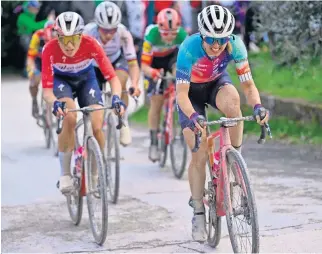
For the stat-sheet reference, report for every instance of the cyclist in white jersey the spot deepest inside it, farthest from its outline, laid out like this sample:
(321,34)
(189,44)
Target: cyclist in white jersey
(115,38)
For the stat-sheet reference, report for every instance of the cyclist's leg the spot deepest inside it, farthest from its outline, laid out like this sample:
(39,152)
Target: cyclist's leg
(196,173)
(225,97)
(156,103)
(122,72)
(66,140)
(90,94)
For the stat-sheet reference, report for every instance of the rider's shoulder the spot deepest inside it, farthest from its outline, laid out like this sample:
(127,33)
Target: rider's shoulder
(90,28)
(151,29)
(192,41)
(122,30)
(51,46)
(239,50)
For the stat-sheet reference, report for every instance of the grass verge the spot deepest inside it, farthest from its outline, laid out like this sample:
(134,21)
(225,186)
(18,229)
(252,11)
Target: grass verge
(282,128)
(283,81)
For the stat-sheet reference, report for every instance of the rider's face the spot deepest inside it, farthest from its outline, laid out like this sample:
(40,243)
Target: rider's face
(70,44)
(106,34)
(168,35)
(214,49)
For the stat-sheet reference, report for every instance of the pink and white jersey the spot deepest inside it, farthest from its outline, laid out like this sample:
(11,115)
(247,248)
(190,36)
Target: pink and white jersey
(122,39)
(54,61)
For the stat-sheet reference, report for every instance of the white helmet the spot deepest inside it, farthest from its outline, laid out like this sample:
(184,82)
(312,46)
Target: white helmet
(108,15)
(216,21)
(69,23)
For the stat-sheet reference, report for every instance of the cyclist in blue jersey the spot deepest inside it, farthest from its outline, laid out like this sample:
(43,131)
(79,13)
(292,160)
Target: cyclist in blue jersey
(201,77)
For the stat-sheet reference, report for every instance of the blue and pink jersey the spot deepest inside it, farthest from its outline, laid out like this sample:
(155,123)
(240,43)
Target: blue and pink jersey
(194,65)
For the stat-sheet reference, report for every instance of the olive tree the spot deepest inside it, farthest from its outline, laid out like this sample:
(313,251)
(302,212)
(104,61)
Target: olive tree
(294,30)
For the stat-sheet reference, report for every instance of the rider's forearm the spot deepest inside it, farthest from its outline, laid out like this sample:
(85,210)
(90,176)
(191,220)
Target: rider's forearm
(49,96)
(251,93)
(116,86)
(134,73)
(146,70)
(184,101)
(31,65)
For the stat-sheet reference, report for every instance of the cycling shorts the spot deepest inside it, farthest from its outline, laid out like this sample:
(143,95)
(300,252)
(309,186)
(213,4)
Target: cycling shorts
(201,94)
(83,87)
(119,64)
(166,63)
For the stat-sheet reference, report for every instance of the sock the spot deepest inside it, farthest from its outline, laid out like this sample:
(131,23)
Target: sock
(65,160)
(238,148)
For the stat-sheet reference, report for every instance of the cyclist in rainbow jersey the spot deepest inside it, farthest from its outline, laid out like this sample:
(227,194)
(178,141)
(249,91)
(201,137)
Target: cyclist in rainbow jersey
(159,56)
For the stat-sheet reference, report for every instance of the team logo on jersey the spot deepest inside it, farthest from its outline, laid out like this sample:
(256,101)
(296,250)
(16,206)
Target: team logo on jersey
(61,86)
(92,92)
(64,58)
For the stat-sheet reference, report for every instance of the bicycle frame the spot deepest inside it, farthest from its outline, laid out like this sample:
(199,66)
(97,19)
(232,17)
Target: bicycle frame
(225,144)
(169,96)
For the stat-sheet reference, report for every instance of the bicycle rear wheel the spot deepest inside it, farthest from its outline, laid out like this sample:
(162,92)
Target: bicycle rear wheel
(112,158)
(98,192)
(178,148)
(238,178)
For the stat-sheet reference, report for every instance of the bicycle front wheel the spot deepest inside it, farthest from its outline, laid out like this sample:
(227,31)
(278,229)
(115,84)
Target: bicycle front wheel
(243,214)
(96,190)
(75,201)
(112,158)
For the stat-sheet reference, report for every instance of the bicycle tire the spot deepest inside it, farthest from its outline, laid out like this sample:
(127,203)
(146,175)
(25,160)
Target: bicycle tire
(163,147)
(214,221)
(234,156)
(92,146)
(178,173)
(77,216)
(111,138)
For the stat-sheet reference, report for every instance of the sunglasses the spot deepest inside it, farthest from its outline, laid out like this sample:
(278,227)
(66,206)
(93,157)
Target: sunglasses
(74,39)
(167,32)
(107,31)
(212,41)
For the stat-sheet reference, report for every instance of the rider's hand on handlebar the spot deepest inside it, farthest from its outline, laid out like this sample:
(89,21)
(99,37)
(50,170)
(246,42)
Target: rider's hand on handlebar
(58,109)
(156,74)
(197,122)
(261,114)
(135,91)
(118,105)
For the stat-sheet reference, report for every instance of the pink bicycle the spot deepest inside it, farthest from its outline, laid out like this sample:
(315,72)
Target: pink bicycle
(228,173)
(170,134)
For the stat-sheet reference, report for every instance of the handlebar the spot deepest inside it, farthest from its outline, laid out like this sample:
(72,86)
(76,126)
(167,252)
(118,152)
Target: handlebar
(229,122)
(163,78)
(130,92)
(86,110)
